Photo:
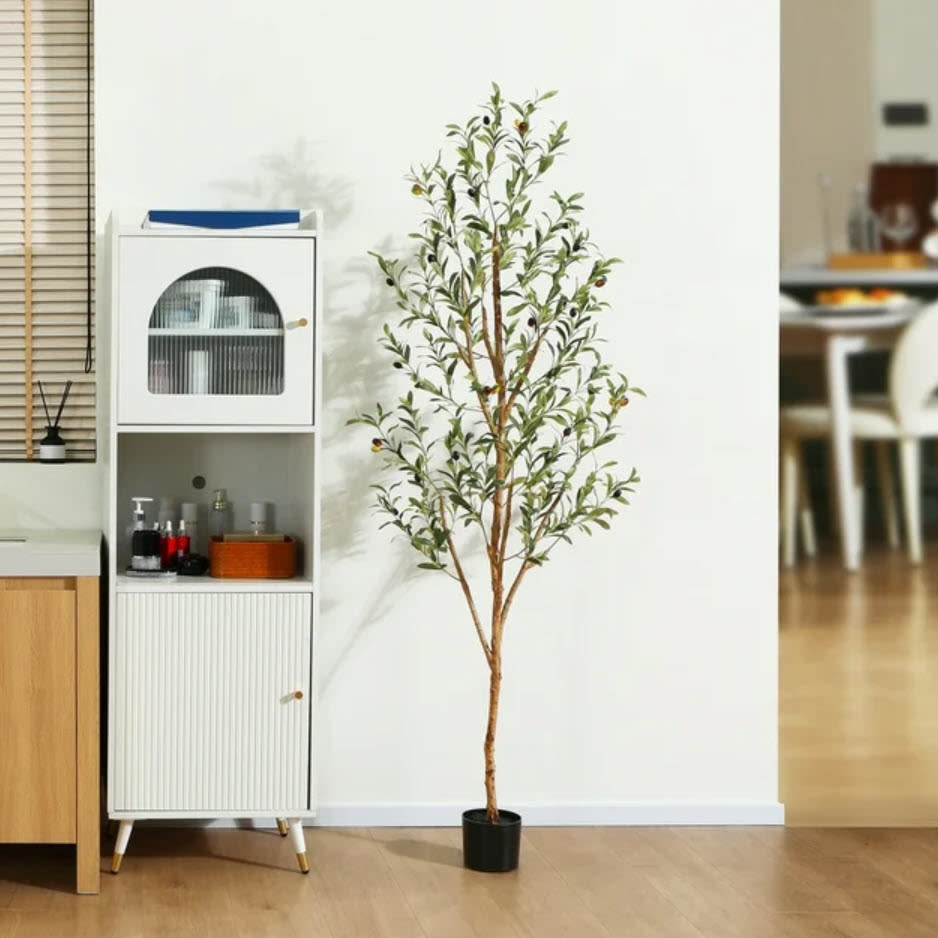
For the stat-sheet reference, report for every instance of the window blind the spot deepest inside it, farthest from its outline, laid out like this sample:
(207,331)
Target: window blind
(46,213)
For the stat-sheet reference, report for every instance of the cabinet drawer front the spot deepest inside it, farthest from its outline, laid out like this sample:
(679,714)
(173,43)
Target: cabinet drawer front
(37,715)
(212,703)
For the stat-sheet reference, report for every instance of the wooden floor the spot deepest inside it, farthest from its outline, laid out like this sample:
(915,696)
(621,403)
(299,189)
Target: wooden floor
(859,746)
(573,883)
(859,692)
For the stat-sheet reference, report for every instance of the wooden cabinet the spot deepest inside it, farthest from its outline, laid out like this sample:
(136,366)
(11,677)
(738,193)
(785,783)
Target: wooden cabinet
(49,740)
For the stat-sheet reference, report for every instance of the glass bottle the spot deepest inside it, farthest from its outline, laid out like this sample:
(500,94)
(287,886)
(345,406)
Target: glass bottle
(862,223)
(219,522)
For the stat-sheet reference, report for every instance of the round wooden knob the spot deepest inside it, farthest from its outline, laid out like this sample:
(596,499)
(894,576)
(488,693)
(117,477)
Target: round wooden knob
(298,694)
(302,323)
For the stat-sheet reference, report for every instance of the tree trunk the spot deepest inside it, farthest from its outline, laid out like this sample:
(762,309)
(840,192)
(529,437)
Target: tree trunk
(495,685)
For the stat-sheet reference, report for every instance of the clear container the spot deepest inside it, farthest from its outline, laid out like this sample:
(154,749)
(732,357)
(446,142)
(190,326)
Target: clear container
(219,519)
(862,224)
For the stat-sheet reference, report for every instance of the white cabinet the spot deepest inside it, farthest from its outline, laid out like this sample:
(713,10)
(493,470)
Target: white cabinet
(215,330)
(214,348)
(212,712)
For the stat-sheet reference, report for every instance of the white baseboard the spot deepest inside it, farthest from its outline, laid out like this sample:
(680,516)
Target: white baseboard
(611,814)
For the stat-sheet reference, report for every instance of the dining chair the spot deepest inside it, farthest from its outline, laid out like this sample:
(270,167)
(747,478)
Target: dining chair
(795,496)
(907,415)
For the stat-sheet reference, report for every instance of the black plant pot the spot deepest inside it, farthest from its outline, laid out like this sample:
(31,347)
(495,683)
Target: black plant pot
(487,847)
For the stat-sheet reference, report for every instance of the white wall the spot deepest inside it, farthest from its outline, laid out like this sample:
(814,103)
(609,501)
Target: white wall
(641,670)
(904,69)
(826,118)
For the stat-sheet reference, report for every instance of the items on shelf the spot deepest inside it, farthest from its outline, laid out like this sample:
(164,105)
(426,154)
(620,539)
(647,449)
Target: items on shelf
(222,220)
(145,543)
(252,556)
(182,542)
(168,547)
(258,517)
(190,514)
(219,520)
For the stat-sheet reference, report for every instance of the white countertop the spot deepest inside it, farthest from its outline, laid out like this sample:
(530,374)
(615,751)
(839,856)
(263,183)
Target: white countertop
(26,553)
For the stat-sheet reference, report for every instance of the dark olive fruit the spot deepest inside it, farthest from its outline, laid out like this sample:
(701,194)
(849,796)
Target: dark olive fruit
(389,282)
(616,494)
(398,365)
(532,322)
(454,456)
(432,258)
(601,282)
(473,192)
(566,431)
(376,441)
(486,120)
(416,189)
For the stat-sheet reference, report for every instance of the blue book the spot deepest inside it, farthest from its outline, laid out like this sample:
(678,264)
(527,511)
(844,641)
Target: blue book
(158,218)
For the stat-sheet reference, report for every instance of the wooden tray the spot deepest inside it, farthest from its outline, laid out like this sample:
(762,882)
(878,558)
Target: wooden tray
(884,260)
(248,559)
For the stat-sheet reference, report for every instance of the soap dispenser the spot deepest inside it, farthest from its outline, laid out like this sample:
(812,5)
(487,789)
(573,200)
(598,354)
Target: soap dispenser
(144,544)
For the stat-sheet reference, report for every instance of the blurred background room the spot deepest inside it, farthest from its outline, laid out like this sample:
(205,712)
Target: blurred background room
(859,415)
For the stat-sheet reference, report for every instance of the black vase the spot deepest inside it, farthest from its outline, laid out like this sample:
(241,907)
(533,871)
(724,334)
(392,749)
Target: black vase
(487,847)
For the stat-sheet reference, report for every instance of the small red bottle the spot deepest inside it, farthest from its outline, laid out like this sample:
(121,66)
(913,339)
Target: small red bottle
(182,543)
(168,547)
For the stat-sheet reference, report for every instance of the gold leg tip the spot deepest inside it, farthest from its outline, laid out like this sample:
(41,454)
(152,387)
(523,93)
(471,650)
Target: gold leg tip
(303,862)
(116,862)
(282,828)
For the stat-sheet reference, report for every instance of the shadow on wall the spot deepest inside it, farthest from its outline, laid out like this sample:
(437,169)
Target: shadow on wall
(356,373)
(292,180)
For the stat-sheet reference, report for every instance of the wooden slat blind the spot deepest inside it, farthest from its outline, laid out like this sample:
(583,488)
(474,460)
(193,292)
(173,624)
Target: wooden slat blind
(44,216)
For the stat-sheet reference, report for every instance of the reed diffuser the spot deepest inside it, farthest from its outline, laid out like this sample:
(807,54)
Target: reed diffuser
(52,446)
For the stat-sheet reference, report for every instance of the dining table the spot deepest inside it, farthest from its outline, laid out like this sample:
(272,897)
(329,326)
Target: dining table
(835,335)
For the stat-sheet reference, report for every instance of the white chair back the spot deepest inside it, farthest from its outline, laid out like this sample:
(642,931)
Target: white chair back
(913,368)
(788,304)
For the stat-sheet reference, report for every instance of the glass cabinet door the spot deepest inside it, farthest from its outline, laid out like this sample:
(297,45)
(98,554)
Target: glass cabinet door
(216,330)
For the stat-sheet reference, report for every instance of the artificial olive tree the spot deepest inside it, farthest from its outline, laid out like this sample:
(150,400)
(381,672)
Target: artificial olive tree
(510,400)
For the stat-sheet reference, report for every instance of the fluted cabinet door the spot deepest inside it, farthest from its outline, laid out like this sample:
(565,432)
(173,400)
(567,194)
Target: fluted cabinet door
(212,703)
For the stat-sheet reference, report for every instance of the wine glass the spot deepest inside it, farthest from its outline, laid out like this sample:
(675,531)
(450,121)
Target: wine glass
(898,222)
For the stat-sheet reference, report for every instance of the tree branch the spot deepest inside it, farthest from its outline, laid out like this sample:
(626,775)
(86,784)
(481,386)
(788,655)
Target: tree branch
(464,583)
(529,364)
(527,563)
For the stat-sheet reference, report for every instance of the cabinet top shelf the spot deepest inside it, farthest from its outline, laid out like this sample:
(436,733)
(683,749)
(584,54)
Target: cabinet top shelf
(214,332)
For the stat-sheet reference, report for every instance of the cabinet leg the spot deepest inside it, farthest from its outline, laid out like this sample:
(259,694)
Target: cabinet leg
(120,847)
(299,843)
(282,827)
